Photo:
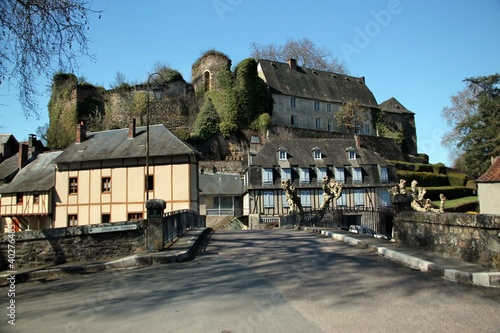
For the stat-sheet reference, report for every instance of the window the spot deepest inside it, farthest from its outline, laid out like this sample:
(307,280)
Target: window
(295,121)
(384,176)
(352,154)
(105,218)
(329,107)
(106,184)
(358,129)
(282,154)
(36,198)
(292,102)
(367,128)
(359,197)
(321,173)
(19,198)
(150,183)
(317,154)
(285,202)
(135,216)
(320,196)
(342,201)
(340,175)
(305,198)
(72,220)
(385,198)
(206,80)
(73,185)
(330,125)
(286,173)
(304,175)
(316,105)
(318,122)
(268,199)
(357,175)
(267,175)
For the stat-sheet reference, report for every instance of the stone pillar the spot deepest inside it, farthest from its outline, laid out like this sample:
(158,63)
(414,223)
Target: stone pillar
(400,203)
(154,229)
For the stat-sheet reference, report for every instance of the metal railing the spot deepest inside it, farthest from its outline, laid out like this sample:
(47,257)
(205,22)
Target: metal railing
(378,220)
(178,222)
(220,211)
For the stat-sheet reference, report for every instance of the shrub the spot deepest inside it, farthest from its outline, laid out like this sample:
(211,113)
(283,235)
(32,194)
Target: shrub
(457,179)
(182,134)
(439,168)
(227,128)
(424,179)
(424,168)
(262,123)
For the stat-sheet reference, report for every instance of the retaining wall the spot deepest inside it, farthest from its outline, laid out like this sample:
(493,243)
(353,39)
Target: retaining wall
(470,237)
(72,244)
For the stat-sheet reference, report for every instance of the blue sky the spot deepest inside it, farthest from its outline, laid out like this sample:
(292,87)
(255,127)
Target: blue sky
(418,51)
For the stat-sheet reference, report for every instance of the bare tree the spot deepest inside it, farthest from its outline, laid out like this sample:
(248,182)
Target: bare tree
(120,80)
(40,37)
(463,107)
(351,115)
(304,51)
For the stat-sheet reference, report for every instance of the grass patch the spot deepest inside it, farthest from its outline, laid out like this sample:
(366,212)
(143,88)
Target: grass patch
(458,202)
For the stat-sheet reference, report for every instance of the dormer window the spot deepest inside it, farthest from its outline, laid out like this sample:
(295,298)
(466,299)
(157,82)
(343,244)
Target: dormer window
(317,154)
(282,154)
(351,153)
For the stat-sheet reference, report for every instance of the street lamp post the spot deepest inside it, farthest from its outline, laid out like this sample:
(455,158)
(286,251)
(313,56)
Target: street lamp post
(158,93)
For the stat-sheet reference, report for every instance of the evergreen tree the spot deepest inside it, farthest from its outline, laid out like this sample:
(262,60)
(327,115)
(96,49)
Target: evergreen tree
(207,122)
(479,135)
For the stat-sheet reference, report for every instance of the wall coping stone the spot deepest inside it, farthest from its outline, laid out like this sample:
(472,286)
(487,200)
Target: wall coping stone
(64,231)
(484,221)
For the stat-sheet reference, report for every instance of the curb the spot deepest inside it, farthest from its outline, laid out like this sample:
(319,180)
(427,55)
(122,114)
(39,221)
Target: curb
(483,279)
(133,261)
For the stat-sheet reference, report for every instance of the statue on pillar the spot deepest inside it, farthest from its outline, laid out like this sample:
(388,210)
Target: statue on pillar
(291,196)
(332,190)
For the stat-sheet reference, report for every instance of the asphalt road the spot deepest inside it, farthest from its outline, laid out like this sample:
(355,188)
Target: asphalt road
(257,281)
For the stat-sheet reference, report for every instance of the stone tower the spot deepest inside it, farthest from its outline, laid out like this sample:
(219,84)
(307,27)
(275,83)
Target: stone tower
(204,70)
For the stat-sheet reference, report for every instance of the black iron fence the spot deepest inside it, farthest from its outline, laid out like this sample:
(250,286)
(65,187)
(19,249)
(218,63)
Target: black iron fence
(375,221)
(178,222)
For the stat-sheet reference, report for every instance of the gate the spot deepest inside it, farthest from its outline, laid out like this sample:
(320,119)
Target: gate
(378,221)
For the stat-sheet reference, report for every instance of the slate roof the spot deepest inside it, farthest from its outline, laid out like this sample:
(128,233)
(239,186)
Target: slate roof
(315,84)
(8,167)
(492,174)
(38,175)
(4,138)
(392,105)
(220,183)
(300,153)
(115,144)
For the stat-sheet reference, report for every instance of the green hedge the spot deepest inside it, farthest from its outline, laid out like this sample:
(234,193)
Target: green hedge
(424,179)
(450,192)
(457,179)
(420,167)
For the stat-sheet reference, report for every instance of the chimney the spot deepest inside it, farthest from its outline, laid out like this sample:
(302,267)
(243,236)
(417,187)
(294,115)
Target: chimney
(32,140)
(22,157)
(131,129)
(293,64)
(81,132)
(358,141)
